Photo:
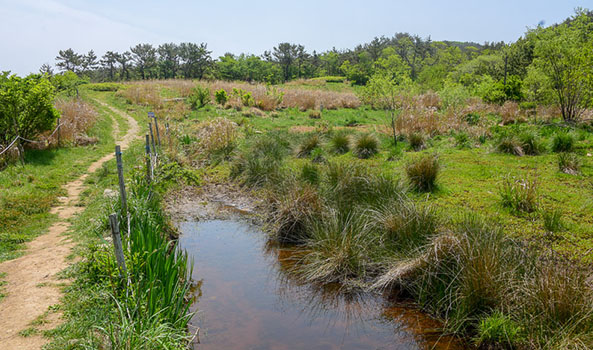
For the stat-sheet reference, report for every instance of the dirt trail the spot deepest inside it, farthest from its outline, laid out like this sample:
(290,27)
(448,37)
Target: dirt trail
(31,282)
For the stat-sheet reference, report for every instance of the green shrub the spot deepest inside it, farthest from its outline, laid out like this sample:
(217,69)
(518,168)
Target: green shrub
(423,172)
(199,97)
(553,220)
(519,194)
(221,97)
(563,142)
(340,143)
(416,141)
(569,163)
(307,145)
(366,146)
(498,329)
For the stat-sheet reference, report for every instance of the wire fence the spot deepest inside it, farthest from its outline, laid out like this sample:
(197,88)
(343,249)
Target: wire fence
(18,137)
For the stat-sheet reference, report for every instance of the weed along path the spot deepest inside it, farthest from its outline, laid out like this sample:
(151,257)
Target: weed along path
(31,282)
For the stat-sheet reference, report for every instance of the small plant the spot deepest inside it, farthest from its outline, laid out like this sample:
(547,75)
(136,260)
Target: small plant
(310,173)
(247,99)
(498,329)
(315,114)
(472,118)
(531,144)
(416,141)
(308,145)
(462,140)
(563,142)
(318,155)
(366,146)
(199,97)
(423,172)
(553,220)
(510,144)
(221,97)
(340,143)
(569,163)
(519,194)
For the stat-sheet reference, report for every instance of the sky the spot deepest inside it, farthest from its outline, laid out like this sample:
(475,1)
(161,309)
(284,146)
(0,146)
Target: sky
(32,32)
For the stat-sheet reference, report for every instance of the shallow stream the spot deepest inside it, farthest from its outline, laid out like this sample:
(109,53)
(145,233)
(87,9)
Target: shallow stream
(246,300)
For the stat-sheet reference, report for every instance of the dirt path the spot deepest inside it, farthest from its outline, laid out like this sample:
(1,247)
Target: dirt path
(31,281)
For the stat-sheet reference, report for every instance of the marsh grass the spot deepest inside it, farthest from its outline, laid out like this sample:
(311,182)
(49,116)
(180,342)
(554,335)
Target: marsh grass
(307,145)
(563,142)
(366,146)
(340,143)
(569,163)
(553,220)
(416,141)
(423,172)
(519,194)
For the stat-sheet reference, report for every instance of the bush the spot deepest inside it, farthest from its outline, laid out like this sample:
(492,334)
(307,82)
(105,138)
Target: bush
(26,107)
(366,146)
(569,163)
(563,142)
(553,220)
(221,97)
(308,144)
(416,141)
(423,172)
(199,97)
(519,194)
(340,143)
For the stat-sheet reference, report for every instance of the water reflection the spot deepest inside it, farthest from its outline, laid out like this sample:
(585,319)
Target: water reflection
(250,300)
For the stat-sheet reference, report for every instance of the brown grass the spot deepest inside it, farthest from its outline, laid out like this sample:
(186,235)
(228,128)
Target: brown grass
(76,117)
(144,93)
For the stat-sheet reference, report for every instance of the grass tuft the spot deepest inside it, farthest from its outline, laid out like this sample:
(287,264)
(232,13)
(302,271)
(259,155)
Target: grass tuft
(366,146)
(423,172)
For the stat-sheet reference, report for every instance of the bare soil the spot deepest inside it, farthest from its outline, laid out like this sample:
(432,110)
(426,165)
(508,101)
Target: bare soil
(32,283)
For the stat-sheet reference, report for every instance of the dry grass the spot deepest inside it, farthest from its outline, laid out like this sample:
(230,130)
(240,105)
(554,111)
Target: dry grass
(216,136)
(77,117)
(143,93)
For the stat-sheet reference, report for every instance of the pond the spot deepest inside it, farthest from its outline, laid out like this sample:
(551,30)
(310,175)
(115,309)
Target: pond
(246,300)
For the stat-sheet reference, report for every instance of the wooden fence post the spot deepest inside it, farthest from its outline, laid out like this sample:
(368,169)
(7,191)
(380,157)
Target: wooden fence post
(117,245)
(152,138)
(122,184)
(59,131)
(158,136)
(147,148)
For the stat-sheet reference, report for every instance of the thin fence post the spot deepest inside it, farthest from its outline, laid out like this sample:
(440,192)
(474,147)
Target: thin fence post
(117,245)
(122,184)
(59,131)
(152,138)
(168,135)
(147,148)
(156,127)
(21,152)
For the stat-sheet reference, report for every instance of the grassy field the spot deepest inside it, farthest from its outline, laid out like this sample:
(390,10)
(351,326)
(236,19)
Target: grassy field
(464,214)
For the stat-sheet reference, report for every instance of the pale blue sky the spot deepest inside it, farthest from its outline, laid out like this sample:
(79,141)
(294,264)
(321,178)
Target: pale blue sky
(32,32)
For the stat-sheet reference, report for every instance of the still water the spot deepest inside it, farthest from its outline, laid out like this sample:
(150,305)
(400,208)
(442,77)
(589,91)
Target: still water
(245,300)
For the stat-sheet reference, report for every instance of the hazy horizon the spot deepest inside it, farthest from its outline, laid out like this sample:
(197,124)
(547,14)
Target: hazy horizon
(34,31)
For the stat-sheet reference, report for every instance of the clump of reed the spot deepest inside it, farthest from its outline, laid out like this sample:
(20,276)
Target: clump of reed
(423,172)
(563,142)
(569,163)
(519,194)
(366,146)
(260,161)
(308,145)
(217,138)
(340,143)
(416,141)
